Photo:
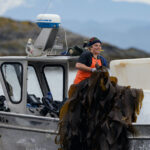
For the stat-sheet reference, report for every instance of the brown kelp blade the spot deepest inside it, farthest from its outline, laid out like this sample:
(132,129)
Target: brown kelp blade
(98,114)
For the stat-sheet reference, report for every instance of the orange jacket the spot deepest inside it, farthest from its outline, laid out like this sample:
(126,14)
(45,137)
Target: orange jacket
(82,75)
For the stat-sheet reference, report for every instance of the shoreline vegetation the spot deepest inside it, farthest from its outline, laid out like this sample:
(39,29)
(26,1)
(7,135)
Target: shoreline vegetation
(14,36)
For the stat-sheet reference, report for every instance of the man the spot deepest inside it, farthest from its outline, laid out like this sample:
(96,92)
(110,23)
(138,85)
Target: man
(88,60)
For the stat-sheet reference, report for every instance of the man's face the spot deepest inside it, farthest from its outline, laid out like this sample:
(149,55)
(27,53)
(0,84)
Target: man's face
(95,48)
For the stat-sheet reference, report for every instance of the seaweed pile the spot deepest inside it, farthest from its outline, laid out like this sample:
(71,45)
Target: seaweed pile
(98,114)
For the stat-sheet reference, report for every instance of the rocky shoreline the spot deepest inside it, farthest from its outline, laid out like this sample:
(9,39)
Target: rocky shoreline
(14,36)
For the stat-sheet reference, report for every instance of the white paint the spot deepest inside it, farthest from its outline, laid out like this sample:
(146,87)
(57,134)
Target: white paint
(133,72)
(49,17)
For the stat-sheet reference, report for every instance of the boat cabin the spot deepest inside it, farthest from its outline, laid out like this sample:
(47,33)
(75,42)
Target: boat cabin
(32,90)
(25,81)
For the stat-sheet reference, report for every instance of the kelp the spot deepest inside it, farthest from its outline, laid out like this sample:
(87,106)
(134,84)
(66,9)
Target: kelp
(98,114)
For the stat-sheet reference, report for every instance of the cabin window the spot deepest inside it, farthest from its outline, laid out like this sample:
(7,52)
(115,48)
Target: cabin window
(54,77)
(33,86)
(13,75)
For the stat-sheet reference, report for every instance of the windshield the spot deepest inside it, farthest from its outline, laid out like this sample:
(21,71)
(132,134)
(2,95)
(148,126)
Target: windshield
(54,77)
(33,86)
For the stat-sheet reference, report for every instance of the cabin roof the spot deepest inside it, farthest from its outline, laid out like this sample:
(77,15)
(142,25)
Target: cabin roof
(50,58)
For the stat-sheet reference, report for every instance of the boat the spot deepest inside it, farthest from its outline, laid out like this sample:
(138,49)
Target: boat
(22,125)
(31,97)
